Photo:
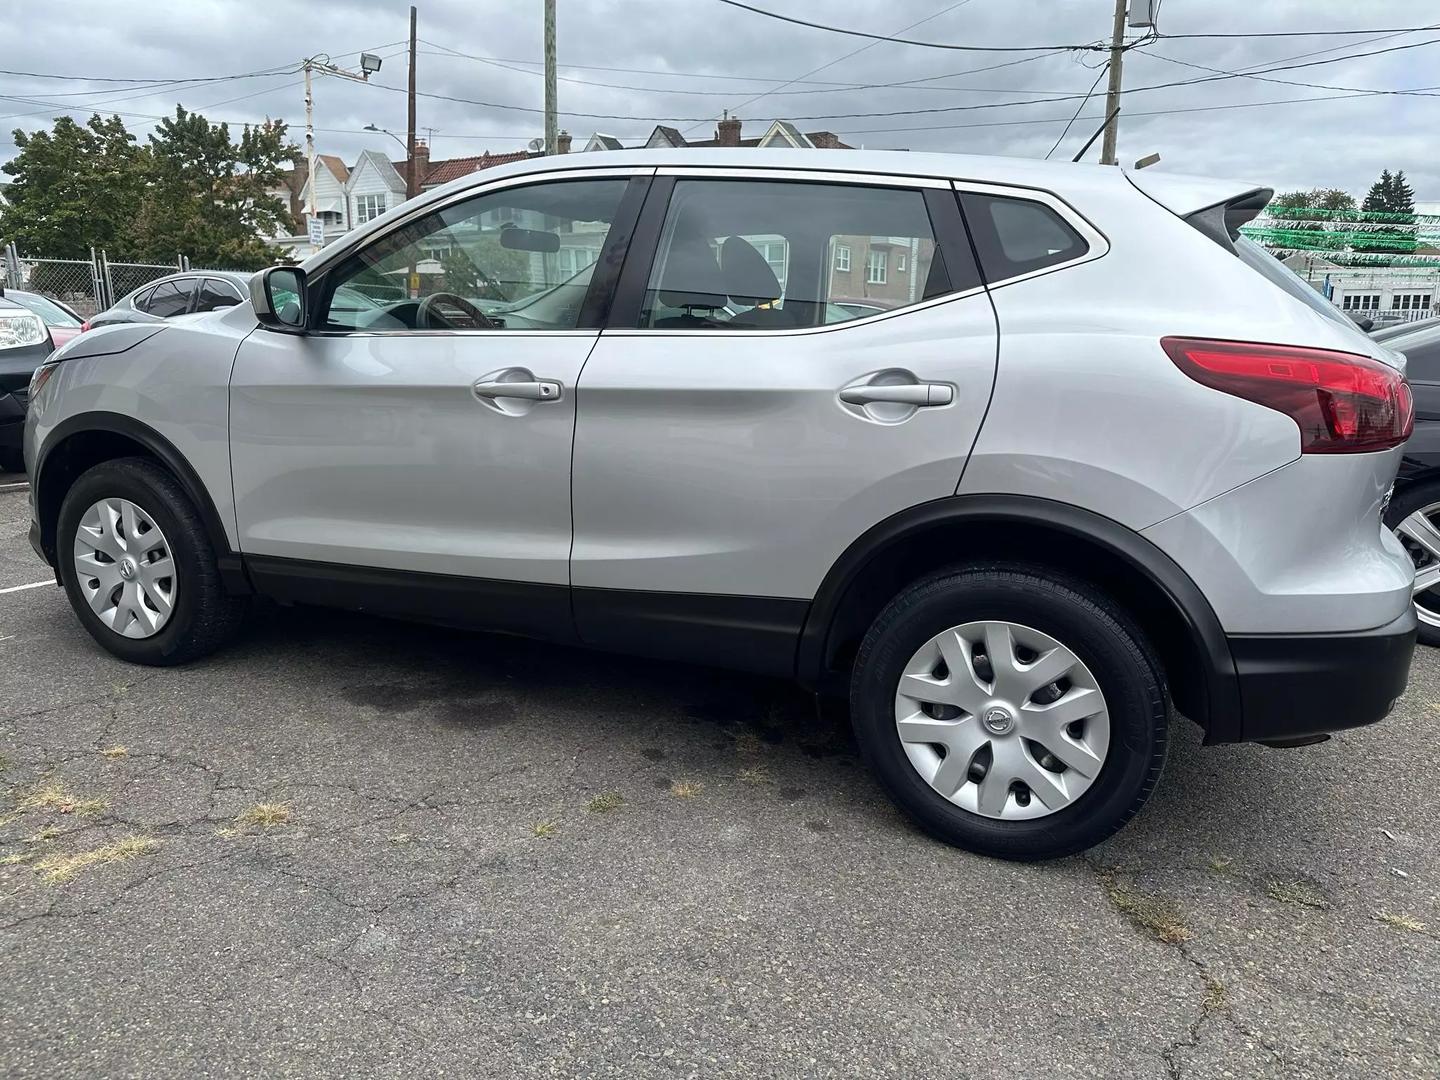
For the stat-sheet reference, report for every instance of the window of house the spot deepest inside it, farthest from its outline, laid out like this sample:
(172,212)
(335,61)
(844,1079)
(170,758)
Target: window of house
(1018,236)
(900,261)
(368,207)
(767,255)
(493,261)
(875,264)
(1411,301)
(1358,301)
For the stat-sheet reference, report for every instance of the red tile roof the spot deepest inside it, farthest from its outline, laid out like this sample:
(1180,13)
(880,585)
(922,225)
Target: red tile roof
(441,172)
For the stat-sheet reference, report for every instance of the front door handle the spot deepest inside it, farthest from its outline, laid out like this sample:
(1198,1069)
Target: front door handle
(533,390)
(914,394)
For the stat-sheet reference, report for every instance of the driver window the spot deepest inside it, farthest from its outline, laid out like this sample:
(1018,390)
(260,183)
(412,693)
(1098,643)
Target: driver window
(515,259)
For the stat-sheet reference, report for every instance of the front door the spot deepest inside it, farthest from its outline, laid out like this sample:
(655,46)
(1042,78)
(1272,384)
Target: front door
(805,358)
(424,425)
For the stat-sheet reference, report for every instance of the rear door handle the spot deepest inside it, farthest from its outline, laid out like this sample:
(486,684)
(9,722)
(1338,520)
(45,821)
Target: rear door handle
(536,390)
(916,394)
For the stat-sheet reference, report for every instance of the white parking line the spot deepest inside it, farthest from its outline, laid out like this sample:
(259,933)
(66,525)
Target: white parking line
(22,588)
(13,487)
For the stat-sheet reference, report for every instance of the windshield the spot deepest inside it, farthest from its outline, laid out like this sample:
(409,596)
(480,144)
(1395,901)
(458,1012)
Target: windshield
(52,313)
(1257,258)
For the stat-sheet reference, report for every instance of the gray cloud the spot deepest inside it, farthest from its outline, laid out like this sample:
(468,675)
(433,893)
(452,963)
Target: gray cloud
(1342,143)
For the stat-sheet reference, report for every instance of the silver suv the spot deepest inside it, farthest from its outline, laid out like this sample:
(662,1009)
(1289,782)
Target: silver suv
(1017,456)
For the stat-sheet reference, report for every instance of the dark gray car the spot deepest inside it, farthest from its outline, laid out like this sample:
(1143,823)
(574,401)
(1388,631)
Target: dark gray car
(178,294)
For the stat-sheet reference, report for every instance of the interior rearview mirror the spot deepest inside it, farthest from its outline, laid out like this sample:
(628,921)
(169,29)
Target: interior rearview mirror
(518,239)
(277,294)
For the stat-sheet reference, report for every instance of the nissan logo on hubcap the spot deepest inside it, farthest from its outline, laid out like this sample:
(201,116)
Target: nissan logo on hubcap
(997,720)
(127,569)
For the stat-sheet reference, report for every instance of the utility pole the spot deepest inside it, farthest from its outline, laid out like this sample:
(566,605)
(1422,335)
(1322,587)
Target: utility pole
(369,64)
(412,187)
(1112,92)
(550,119)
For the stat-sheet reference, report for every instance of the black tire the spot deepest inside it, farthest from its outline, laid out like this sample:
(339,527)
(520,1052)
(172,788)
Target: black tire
(1405,502)
(1073,612)
(205,615)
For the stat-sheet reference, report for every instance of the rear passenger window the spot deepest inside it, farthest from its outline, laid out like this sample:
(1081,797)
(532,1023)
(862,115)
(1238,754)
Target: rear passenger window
(1018,236)
(778,255)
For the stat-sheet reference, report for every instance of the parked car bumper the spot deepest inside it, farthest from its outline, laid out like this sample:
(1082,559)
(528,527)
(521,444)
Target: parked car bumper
(1295,687)
(12,420)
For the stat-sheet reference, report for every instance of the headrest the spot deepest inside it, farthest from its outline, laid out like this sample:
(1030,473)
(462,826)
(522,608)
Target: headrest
(748,277)
(692,277)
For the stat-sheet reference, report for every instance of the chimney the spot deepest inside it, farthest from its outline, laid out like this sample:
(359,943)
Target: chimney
(422,163)
(824,140)
(562,143)
(727,131)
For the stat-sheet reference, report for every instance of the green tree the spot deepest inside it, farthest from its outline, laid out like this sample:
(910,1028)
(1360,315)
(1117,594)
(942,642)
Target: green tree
(76,186)
(209,196)
(1390,195)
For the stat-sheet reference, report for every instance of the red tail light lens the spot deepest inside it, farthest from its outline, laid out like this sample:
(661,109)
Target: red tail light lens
(85,326)
(1342,403)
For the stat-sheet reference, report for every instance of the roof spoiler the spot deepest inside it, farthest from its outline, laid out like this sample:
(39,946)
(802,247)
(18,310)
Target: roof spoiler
(1222,221)
(1215,207)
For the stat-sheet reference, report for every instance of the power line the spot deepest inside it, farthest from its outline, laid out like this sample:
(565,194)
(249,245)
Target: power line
(1390,31)
(825,86)
(1103,71)
(1263,78)
(856,52)
(1087,47)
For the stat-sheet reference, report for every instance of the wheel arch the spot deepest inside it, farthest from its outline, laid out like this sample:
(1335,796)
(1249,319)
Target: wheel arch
(1168,606)
(85,440)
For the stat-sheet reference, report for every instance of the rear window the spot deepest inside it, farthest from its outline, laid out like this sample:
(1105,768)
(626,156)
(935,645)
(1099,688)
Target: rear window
(1260,260)
(1018,236)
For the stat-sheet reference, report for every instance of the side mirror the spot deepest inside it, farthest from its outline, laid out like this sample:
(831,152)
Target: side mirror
(277,294)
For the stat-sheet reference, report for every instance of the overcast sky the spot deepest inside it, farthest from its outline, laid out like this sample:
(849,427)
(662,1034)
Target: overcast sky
(694,58)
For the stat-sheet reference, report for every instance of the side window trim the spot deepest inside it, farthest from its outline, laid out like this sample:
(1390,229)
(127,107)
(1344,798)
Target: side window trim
(140,301)
(225,287)
(952,242)
(1097,243)
(595,303)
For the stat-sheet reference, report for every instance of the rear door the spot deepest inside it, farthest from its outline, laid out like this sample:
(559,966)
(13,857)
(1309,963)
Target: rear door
(739,424)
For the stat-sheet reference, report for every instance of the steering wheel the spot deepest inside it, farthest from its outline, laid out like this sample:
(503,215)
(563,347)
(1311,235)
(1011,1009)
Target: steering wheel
(446,311)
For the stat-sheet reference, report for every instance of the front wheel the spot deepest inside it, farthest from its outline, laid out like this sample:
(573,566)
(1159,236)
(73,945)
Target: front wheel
(1010,710)
(138,567)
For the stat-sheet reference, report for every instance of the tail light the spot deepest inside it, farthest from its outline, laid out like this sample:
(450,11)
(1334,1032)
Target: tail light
(85,326)
(1342,403)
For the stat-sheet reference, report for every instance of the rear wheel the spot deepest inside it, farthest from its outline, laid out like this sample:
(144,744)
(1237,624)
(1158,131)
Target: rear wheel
(1414,514)
(1010,711)
(138,566)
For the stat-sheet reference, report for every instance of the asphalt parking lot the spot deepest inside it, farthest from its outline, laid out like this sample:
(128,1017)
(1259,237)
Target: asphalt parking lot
(356,847)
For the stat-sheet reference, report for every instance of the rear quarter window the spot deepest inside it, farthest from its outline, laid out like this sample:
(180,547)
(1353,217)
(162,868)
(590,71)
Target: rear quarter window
(1015,236)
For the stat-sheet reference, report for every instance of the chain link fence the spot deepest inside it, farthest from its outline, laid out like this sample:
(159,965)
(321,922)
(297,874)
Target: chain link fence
(88,286)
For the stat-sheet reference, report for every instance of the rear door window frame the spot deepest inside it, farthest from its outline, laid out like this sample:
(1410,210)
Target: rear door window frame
(942,207)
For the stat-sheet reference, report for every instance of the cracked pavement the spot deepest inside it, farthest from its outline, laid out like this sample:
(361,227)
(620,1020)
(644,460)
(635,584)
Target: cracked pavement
(1270,914)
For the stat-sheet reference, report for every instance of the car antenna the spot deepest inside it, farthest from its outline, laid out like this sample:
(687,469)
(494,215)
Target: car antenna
(1089,142)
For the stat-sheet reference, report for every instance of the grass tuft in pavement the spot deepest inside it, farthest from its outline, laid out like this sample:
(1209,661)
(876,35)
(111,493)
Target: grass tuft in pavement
(264,815)
(57,797)
(749,744)
(1157,915)
(58,869)
(605,802)
(115,751)
(686,789)
(1402,922)
(12,860)
(1300,893)
(756,774)
(543,830)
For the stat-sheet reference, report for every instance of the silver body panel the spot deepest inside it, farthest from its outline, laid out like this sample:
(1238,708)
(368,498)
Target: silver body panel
(725,462)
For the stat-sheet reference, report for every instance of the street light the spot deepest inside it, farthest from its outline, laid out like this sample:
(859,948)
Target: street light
(369,63)
(382,131)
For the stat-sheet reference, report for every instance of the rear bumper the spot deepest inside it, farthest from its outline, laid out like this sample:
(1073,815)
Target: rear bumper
(12,421)
(1296,686)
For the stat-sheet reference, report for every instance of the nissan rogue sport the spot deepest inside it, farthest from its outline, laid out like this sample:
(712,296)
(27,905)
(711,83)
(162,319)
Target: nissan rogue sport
(1071,454)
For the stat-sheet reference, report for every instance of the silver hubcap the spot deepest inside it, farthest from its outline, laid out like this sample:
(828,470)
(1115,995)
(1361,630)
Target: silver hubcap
(1421,538)
(125,568)
(1002,720)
